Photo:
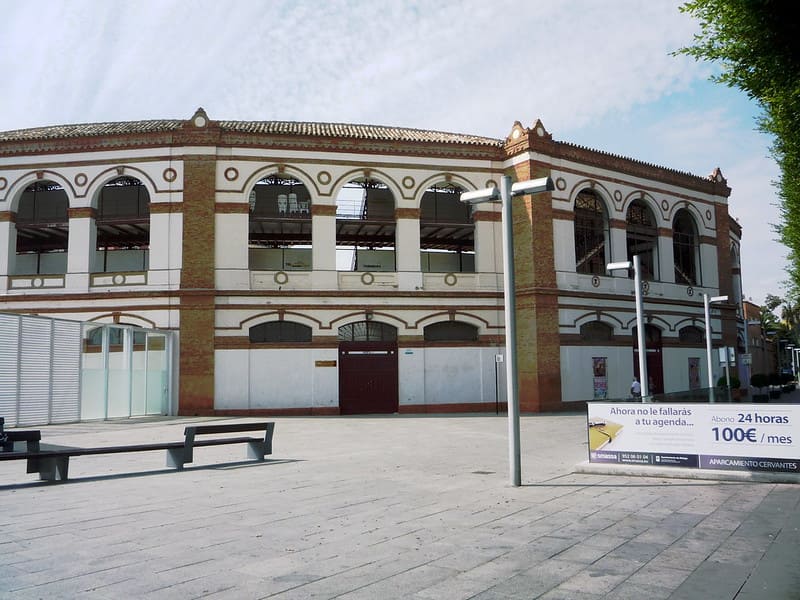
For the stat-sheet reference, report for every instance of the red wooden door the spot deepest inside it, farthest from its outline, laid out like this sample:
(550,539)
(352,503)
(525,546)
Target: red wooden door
(368,377)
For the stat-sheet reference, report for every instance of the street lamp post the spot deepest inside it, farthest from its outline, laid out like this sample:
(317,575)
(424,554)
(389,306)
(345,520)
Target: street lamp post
(504,195)
(707,301)
(637,292)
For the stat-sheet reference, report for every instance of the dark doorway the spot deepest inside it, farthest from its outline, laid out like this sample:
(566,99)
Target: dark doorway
(368,381)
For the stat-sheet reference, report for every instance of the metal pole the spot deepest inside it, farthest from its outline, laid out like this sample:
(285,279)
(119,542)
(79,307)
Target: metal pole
(512,387)
(706,308)
(637,282)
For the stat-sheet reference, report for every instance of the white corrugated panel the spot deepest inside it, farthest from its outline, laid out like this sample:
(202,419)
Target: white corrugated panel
(34,371)
(9,337)
(66,367)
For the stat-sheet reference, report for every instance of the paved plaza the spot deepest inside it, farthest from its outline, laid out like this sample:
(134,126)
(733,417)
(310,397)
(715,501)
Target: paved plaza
(411,507)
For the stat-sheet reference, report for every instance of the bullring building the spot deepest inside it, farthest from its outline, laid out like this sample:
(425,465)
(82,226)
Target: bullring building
(269,267)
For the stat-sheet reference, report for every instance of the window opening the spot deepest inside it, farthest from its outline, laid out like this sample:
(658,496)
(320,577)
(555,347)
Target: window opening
(280,225)
(365,227)
(447,231)
(123,226)
(42,225)
(591,234)
(367,331)
(686,250)
(451,331)
(642,239)
(280,331)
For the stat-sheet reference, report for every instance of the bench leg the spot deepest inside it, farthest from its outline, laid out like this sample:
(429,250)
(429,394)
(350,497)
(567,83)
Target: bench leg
(175,458)
(256,450)
(50,469)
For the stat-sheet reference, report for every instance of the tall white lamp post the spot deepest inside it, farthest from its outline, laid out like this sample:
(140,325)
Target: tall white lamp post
(707,301)
(637,292)
(504,195)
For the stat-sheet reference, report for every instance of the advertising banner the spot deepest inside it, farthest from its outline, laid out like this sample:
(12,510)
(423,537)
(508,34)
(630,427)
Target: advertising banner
(739,437)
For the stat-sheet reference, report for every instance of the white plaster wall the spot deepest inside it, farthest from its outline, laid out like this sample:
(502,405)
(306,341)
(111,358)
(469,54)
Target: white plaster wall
(709,265)
(577,374)
(325,379)
(454,375)
(676,368)
(564,245)
(281,378)
(231,379)
(411,375)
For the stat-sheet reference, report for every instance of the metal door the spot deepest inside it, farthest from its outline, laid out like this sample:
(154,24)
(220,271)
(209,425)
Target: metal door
(368,377)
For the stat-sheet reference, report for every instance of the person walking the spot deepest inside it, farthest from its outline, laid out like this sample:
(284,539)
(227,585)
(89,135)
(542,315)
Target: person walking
(636,388)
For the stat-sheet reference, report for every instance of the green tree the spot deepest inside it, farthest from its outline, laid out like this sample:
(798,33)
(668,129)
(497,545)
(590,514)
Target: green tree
(757,45)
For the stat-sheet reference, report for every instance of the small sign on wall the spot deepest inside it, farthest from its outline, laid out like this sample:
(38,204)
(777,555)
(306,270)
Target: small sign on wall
(324,363)
(600,380)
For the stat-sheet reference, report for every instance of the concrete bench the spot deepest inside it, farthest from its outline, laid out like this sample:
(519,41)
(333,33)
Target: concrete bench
(53,464)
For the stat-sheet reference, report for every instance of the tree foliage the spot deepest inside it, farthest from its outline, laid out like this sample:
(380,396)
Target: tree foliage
(756,43)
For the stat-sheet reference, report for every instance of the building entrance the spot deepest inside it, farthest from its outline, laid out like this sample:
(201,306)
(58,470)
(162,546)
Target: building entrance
(368,372)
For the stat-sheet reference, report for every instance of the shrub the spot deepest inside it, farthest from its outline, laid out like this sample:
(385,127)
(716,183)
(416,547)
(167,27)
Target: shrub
(759,380)
(735,383)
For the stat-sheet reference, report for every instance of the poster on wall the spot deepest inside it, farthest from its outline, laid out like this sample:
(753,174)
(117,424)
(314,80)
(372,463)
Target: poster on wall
(694,373)
(600,380)
(739,437)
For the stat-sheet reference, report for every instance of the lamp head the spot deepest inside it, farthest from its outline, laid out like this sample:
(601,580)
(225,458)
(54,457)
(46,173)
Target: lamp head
(491,194)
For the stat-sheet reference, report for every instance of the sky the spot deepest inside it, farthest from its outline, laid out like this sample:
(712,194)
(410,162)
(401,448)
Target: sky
(598,73)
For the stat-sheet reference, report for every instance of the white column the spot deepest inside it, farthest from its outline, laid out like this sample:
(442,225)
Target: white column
(407,254)
(8,251)
(323,249)
(666,260)
(81,250)
(230,252)
(619,248)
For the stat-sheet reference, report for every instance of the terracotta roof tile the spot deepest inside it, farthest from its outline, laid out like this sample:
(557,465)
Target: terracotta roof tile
(338,130)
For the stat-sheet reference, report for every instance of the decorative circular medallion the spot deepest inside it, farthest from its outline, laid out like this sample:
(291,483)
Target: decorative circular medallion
(645,286)
(617,195)
(367,278)
(118,279)
(200,121)
(170,174)
(3,183)
(408,182)
(515,134)
(595,281)
(450,279)
(708,215)
(690,291)
(81,179)
(280,277)
(490,183)
(540,131)
(37,282)
(561,184)
(231,174)
(324,177)
(664,205)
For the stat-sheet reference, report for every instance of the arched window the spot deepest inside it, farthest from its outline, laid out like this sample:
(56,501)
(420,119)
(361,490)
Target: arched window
(123,226)
(591,233)
(451,331)
(596,332)
(365,227)
(42,227)
(685,248)
(642,238)
(280,225)
(280,331)
(367,331)
(691,335)
(447,231)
